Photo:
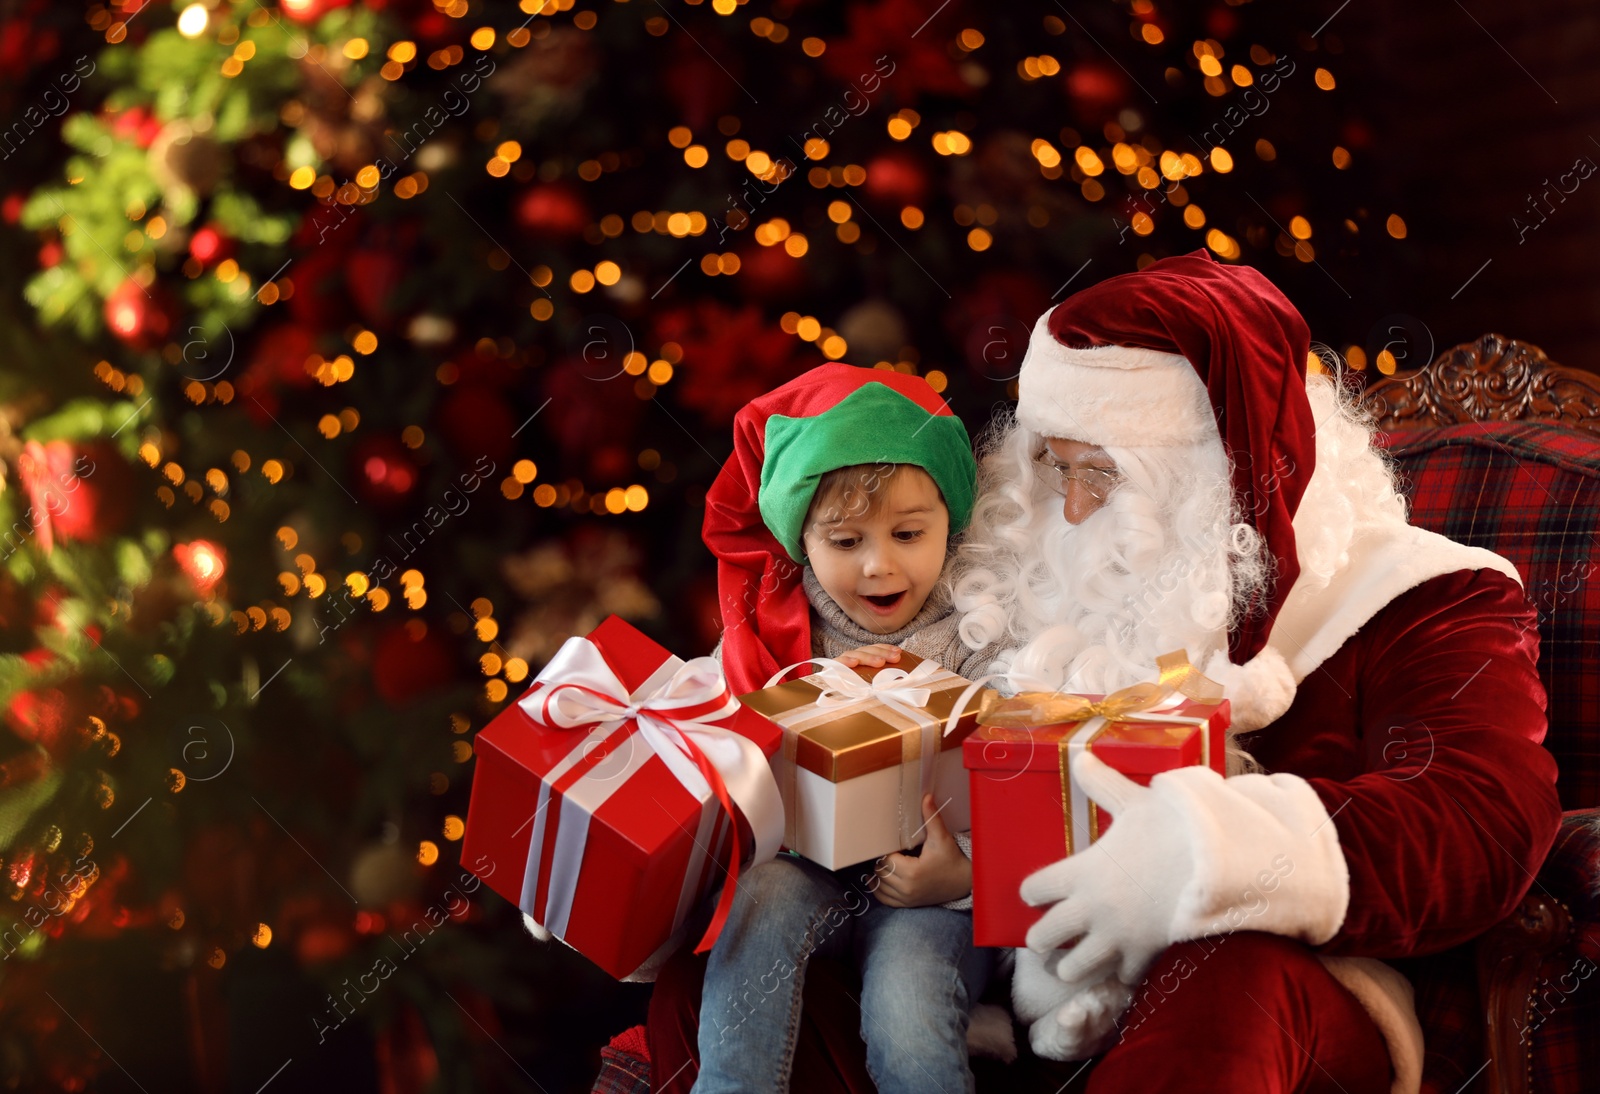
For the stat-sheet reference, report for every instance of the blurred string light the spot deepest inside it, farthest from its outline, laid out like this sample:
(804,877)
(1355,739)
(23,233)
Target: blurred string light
(193,20)
(1034,68)
(808,328)
(774,32)
(1222,243)
(902,122)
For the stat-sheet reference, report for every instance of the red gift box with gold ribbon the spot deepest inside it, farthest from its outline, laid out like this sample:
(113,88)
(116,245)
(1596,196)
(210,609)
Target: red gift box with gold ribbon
(622,788)
(1027,810)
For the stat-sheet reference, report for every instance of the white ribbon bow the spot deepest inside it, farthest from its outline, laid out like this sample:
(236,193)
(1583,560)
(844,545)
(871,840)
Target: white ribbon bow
(906,692)
(667,721)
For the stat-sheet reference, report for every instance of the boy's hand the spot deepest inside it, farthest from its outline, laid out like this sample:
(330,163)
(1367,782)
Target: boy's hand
(942,872)
(874,656)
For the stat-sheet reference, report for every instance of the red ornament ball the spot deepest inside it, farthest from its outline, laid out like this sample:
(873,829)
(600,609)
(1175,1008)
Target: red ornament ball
(553,209)
(136,124)
(374,276)
(309,11)
(430,26)
(82,492)
(210,245)
(771,273)
(895,180)
(52,717)
(279,357)
(613,463)
(1096,89)
(138,316)
(385,471)
(1220,23)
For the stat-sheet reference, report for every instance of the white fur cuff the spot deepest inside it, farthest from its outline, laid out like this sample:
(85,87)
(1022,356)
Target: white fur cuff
(1266,853)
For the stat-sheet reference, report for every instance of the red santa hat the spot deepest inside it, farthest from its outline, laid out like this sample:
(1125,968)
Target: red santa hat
(1184,349)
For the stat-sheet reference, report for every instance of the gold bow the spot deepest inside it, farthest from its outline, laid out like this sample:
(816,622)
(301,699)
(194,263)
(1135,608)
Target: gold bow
(1039,708)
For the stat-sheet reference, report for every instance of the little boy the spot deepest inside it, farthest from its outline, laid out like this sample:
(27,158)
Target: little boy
(831,525)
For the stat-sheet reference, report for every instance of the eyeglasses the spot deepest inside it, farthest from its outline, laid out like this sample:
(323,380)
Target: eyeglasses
(1098,481)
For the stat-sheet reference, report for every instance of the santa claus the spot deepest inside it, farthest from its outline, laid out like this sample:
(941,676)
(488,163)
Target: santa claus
(1174,478)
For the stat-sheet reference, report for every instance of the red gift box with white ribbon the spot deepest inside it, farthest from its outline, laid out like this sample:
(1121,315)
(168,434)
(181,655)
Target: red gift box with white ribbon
(624,786)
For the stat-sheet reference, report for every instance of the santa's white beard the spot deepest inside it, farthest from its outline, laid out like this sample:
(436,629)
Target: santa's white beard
(1159,567)
(1129,586)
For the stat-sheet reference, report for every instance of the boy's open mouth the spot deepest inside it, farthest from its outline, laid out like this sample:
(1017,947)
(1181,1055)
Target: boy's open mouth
(885,603)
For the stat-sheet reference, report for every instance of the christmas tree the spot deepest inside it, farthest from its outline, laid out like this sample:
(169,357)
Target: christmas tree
(357,354)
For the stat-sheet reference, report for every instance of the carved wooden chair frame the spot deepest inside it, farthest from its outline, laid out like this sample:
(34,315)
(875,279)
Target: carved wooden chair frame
(1499,379)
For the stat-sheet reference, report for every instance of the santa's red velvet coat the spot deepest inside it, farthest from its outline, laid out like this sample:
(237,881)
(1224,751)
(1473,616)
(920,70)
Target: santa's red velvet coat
(1422,735)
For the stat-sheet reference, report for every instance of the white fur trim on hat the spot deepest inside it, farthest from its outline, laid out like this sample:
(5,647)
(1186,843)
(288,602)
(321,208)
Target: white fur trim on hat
(1260,691)
(1122,396)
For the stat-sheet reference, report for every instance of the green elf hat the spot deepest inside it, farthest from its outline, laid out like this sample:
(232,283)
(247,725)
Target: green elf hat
(880,422)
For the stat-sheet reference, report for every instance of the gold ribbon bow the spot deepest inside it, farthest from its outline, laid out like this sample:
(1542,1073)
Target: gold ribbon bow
(1040,708)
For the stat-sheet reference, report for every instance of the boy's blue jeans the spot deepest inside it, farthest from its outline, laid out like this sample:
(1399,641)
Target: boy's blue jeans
(920,974)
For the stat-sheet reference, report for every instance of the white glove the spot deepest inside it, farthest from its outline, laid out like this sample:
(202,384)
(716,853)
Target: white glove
(1067,1021)
(1118,895)
(1088,1021)
(1191,855)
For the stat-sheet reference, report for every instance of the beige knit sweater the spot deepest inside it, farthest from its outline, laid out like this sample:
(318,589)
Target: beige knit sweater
(932,635)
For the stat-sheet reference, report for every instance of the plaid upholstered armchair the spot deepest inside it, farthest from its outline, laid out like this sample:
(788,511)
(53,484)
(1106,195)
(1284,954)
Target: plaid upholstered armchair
(1500,448)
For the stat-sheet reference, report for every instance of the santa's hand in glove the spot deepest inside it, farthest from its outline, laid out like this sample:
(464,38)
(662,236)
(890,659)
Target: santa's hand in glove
(1192,855)
(1066,1020)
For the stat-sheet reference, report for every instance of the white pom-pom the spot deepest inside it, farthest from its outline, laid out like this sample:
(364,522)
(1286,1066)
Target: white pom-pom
(1260,691)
